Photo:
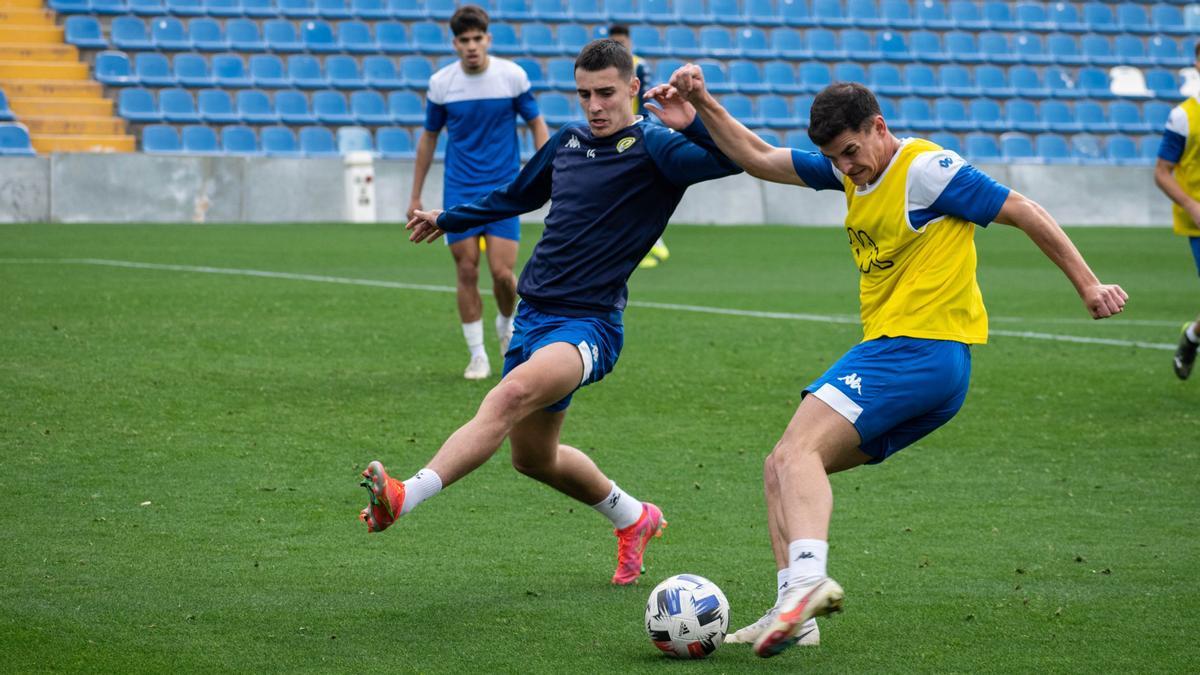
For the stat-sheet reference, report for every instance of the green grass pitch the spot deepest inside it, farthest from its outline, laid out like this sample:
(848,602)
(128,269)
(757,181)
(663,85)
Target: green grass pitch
(179,456)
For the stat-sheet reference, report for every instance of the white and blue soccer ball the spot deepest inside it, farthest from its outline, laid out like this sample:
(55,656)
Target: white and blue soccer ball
(687,616)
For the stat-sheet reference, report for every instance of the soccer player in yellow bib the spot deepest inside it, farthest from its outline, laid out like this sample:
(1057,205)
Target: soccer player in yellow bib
(1177,174)
(912,210)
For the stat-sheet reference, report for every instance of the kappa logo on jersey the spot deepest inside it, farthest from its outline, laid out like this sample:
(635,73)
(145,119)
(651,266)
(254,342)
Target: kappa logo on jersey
(866,251)
(625,143)
(853,381)
(573,142)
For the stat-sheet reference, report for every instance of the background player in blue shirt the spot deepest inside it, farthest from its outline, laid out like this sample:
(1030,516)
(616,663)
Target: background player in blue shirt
(613,182)
(477,100)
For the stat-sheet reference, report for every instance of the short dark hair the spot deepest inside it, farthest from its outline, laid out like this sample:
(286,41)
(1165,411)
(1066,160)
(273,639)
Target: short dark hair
(618,29)
(601,54)
(469,17)
(840,107)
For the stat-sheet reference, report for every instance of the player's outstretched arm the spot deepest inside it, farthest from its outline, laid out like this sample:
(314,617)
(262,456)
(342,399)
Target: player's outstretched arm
(1101,300)
(759,158)
(423,226)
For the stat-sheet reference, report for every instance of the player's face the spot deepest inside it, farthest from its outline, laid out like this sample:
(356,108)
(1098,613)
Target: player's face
(861,155)
(472,47)
(607,99)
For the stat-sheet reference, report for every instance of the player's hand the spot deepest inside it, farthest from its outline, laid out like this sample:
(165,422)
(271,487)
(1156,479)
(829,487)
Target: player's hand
(413,206)
(667,106)
(688,80)
(1193,210)
(1105,300)
(424,226)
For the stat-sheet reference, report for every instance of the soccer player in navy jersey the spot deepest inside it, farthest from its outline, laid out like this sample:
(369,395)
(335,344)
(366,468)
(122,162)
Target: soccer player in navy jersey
(613,182)
(477,100)
(912,211)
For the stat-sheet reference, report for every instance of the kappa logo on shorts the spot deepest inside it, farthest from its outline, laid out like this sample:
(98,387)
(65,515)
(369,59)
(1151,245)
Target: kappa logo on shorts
(595,353)
(853,381)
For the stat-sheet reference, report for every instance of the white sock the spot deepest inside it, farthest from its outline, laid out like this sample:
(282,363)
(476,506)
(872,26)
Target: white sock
(781,584)
(619,507)
(504,325)
(1191,333)
(807,564)
(473,332)
(423,485)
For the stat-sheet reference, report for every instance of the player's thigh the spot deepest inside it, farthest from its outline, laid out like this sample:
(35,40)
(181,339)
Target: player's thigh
(550,374)
(465,252)
(819,429)
(501,254)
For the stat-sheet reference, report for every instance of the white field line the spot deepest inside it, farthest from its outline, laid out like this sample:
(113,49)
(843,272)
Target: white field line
(785,316)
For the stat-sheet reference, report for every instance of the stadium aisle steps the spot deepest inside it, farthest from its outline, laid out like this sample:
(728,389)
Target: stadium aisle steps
(50,89)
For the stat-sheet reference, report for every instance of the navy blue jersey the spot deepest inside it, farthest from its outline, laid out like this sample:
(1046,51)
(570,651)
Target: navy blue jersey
(610,199)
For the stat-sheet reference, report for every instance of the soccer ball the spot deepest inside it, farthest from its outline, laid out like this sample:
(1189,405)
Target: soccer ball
(687,616)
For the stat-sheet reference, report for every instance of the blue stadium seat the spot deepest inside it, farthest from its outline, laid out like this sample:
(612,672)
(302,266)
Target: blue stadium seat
(266,70)
(533,71)
(932,14)
(375,10)
(395,143)
(963,47)
(239,139)
(1017,147)
(244,36)
(407,10)
(1132,18)
(775,112)
(1091,117)
(1128,118)
(571,38)
(995,48)
(1064,16)
(752,43)
(136,104)
(258,9)
(799,140)
(177,105)
(330,107)
(1098,17)
(254,107)
(663,69)
(107,7)
(1120,149)
(168,33)
(537,38)
(1030,48)
(199,140)
(957,80)
(304,72)
(849,71)
(966,15)
(280,36)
(692,12)
(947,141)
(440,9)
(951,114)
(646,40)
(279,142)
(504,40)
(985,114)
(185,7)
(780,76)
(830,14)
(343,73)
(857,45)
(1165,51)
(513,10)
(726,12)
(795,13)
(758,12)
(681,42)
(222,8)
(788,43)
(153,70)
(1060,84)
(550,10)
(161,139)
(230,71)
(560,74)
(917,114)
(999,16)
(1168,19)
(624,11)
(1163,83)
(1086,149)
(1094,83)
(368,107)
(1058,117)
(802,106)
(146,7)
(815,76)
(927,46)
(1022,115)
(992,81)
(317,142)
(1148,148)
(1032,16)
(1064,49)
(380,73)
(405,107)
(1052,149)
(716,42)
(898,15)
(863,13)
(982,148)
(126,32)
(354,139)
(887,108)
(207,35)
(716,79)
(85,32)
(1027,82)
(823,45)
(556,108)
(742,109)
(885,79)
(1131,50)
(921,80)
(893,47)
(747,78)
(1155,114)
(296,9)
(355,37)
(333,9)
(112,68)
(416,71)
(216,106)
(588,11)
(292,107)
(317,37)
(393,37)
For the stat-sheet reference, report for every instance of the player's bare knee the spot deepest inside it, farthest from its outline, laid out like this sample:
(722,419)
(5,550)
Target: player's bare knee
(511,398)
(468,273)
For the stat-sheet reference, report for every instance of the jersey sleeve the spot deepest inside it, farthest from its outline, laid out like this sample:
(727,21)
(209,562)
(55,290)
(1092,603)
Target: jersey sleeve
(1174,136)
(817,171)
(523,101)
(527,107)
(527,192)
(940,183)
(435,103)
(688,157)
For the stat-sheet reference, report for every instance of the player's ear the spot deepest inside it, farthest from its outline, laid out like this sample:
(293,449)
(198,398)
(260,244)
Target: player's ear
(635,85)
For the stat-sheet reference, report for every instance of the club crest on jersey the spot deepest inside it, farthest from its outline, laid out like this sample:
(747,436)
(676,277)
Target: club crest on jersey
(625,143)
(573,142)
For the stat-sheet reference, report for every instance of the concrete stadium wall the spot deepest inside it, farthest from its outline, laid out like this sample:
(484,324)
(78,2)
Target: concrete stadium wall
(80,188)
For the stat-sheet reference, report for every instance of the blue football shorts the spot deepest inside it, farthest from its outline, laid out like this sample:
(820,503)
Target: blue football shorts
(896,390)
(509,228)
(599,341)
(1195,242)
